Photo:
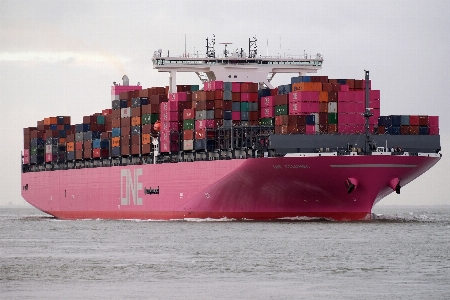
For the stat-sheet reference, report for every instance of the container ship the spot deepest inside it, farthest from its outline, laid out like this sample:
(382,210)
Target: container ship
(232,147)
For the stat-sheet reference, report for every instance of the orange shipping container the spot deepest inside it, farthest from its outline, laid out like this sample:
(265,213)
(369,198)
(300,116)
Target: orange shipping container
(146,138)
(323,96)
(70,146)
(135,121)
(115,142)
(53,120)
(46,121)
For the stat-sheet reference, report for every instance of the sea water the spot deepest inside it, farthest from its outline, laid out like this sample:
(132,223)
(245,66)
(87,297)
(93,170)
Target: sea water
(403,253)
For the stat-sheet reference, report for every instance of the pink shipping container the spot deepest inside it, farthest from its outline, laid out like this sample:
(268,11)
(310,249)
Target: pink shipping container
(359,96)
(268,101)
(375,94)
(434,130)
(168,106)
(49,157)
(310,129)
(26,160)
(344,88)
(236,115)
(164,146)
(164,136)
(210,124)
(245,97)
(169,116)
(236,87)
(180,96)
(433,121)
(298,108)
(374,103)
(117,89)
(200,124)
(303,96)
(267,112)
(26,152)
(168,126)
(213,85)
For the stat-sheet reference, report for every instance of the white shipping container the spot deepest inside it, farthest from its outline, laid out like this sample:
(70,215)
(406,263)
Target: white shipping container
(188,145)
(332,107)
(125,112)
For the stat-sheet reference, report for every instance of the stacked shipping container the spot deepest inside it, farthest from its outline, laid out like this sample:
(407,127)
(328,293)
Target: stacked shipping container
(189,118)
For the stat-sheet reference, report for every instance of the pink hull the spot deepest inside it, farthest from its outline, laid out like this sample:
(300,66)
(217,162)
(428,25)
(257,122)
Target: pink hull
(258,189)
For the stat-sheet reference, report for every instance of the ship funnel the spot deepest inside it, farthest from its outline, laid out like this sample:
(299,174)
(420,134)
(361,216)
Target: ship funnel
(125,79)
(395,185)
(351,184)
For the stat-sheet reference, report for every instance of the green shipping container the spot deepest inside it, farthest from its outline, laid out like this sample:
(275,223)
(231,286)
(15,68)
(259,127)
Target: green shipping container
(154,118)
(244,106)
(281,110)
(146,119)
(188,124)
(101,120)
(267,121)
(37,151)
(195,88)
(149,119)
(332,118)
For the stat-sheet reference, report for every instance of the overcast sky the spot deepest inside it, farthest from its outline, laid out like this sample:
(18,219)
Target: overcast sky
(59,58)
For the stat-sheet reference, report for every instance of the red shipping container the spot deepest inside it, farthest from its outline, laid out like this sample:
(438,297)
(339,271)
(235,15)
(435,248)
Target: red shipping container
(125,150)
(310,129)
(79,145)
(96,153)
(236,97)
(200,134)
(135,149)
(218,113)
(125,140)
(253,116)
(423,121)
(188,114)
(414,120)
(281,99)
(249,87)
(281,120)
(281,129)
(79,154)
(218,95)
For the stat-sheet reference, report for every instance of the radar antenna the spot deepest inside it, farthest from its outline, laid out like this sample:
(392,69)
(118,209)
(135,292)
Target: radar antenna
(252,48)
(210,52)
(225,51)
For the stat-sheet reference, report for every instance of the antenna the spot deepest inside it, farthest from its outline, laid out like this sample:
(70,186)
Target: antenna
(210,52)
(367,114)
(252,48)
